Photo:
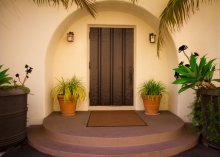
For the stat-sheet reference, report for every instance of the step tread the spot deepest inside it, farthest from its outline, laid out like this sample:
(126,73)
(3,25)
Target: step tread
(42,142)
(75,130)
(64,125)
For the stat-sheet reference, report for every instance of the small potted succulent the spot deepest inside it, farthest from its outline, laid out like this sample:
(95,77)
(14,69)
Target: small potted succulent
(13,108)
(197,74)
(151,92)
(68,92)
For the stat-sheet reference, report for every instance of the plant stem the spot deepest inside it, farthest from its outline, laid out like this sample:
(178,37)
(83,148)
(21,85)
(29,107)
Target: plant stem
(19,80)
(186,55)
(25,78)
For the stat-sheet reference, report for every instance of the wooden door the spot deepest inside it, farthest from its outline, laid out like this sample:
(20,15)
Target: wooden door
(111,66)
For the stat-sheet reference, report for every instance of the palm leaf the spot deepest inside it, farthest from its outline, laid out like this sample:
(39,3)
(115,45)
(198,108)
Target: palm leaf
(89,5)
(176,13)
(134,1)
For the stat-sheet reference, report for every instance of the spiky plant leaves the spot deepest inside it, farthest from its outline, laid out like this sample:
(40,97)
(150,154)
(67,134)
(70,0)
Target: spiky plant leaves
(152,87)
(193,65)
(197,75)
(4,79)
(183,88)
(72,89)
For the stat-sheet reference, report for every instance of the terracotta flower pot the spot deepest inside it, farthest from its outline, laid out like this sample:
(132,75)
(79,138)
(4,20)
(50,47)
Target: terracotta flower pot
(151,104)
(67,108)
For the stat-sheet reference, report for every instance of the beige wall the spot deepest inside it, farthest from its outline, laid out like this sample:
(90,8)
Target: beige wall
(201,34)
(73,58)
(36,36)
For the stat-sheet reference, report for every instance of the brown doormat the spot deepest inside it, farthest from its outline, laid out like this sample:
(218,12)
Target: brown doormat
(114,119)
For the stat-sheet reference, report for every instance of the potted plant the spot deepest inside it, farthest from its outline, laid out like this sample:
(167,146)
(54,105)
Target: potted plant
(151,93)
(198,75)
(13,108)
(68,92)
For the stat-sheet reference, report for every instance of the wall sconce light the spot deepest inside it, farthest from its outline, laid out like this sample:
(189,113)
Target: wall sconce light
(70,36)
(152,38)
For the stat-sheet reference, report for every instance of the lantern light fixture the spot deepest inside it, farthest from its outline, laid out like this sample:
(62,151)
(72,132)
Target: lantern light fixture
(152,38)
(70,36)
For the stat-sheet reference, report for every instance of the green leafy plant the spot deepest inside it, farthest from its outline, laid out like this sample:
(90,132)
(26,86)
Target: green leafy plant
(72,89)
(196,74)
(152,87)
(196,114)
(200,119)
(4,78)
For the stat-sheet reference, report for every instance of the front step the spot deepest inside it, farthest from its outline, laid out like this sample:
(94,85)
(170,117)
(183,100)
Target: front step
(39,140)
(166,139)
(73,130)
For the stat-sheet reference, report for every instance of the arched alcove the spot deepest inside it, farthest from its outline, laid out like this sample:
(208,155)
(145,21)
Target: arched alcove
(112,13)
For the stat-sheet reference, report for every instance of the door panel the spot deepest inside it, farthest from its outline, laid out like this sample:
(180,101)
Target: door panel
(105,67)
(111,66)
(94,66)
(128,81)
(117,67)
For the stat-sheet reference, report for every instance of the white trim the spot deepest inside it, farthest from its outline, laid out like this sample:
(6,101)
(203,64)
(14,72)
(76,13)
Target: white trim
(91,108)
(110,26)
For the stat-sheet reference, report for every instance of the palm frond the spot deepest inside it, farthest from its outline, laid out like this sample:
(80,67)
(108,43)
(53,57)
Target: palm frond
(89,5)
(134,1)
(176,13)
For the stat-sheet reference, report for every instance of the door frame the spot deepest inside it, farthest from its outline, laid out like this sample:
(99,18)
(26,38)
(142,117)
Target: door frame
(90,108)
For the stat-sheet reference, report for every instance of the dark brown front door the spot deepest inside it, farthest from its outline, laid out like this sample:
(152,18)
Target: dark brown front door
(111,66)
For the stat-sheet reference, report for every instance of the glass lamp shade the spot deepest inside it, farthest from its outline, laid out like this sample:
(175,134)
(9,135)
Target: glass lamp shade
(70,37)
(152,38)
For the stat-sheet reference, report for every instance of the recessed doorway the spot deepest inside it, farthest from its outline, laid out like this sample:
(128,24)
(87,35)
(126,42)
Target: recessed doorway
(111,66)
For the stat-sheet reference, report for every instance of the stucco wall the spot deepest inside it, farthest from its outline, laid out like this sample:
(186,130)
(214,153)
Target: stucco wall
(201,34)
(36,36)
(73,58)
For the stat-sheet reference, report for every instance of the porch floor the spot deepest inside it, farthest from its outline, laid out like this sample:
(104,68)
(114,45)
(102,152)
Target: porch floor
(165,135)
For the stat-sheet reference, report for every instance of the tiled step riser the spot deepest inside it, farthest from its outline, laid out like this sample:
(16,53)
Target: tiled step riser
(111,142)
